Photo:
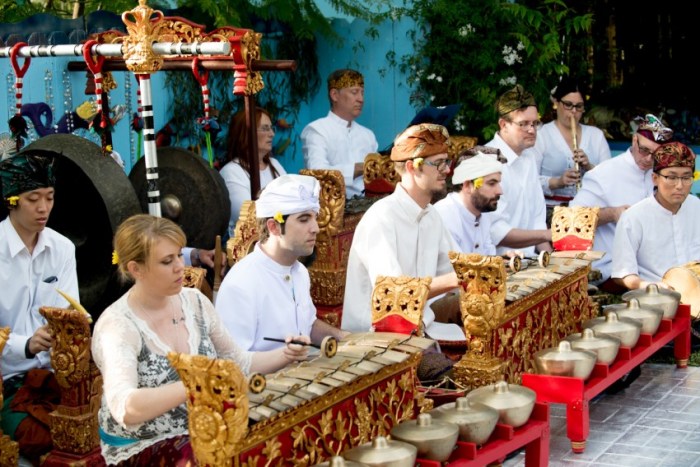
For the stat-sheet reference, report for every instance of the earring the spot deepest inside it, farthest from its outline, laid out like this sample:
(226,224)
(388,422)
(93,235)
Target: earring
(554,106)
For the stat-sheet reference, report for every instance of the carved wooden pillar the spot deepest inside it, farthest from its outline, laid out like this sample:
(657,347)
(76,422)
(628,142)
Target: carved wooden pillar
(9,450)
(74,425)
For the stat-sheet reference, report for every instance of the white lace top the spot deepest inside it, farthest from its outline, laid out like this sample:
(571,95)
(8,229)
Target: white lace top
(130,356)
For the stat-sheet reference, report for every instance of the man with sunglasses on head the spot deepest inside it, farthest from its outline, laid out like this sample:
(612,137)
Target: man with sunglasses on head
(616,184)
(402,234)
(661,231)
(520,220)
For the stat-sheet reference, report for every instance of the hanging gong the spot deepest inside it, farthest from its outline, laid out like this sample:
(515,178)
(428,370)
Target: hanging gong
(93,196)
(192,194)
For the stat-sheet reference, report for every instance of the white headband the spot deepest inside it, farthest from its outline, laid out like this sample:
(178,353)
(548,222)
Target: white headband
(288,194)
(475,167)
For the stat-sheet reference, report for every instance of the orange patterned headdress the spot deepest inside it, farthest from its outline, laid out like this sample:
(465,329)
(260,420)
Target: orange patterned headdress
(424,140)
(341,79)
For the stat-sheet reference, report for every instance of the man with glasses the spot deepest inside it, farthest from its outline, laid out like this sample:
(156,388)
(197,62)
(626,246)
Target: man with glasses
(520,220)
(337,141)
(618,183)
(402,234)
(661,231)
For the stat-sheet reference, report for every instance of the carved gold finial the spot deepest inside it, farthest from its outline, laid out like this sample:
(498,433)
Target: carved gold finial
(332,201)
(250,50)
(217,402)
(245,235)
(576,221)
(398,303)
(143,24)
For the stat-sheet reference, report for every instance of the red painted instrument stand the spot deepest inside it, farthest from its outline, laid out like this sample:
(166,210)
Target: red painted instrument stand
(533,436)
(576,393)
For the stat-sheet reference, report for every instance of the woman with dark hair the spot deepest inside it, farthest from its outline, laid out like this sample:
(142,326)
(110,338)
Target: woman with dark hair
(565,144)
(236,172)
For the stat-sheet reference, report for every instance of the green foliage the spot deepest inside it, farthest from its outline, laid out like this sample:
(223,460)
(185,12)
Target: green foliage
(471,51)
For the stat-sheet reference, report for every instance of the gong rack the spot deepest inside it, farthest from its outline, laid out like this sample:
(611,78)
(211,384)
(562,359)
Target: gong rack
(155,42)
(576,393)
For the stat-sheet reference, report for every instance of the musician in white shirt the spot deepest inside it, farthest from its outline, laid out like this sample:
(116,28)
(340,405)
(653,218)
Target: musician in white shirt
(521,215)
(268,292)
(35,260)
(403,234)
(662,231)
(337,141)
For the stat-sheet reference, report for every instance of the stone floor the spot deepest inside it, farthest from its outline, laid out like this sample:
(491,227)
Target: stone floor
(654,422)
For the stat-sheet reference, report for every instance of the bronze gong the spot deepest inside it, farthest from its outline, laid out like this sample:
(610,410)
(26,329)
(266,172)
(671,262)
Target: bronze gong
(192,194)
(93,196)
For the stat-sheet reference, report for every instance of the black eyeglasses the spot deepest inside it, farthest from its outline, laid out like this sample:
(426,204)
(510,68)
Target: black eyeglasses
(571,106)
(673,179)
(644,150)
(439,164)
(526,125)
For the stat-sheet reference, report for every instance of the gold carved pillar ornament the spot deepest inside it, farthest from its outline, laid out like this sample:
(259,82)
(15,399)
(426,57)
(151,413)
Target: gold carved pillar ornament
(217,402)
(482,304)
(9,450)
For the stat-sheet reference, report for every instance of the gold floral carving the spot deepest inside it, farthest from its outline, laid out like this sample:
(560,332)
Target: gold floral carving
(327,287)
(404,296)
(332,201)
(578,221)
(108,82)
(218,406)
(196,278)
(250,50)
(245,234)
(182,30)
(9,450)
(379,167)
(502,340)
(144,26)
(459,143)
(320,430)
(74,425)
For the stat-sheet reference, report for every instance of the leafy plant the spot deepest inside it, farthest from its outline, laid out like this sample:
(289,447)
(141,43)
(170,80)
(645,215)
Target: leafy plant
(471,51)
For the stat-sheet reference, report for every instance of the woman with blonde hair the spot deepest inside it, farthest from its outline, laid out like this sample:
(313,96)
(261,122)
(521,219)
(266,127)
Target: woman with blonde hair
(143,417)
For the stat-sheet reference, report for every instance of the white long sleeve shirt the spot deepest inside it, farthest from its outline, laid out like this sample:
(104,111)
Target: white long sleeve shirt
(394,237)
(29,281)
(615,182)
(650,240)
(522,204)
(333,143)
(472,235)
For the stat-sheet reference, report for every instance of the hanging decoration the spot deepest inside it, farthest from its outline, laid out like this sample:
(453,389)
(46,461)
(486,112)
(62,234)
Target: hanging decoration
(208,124)
(17,124)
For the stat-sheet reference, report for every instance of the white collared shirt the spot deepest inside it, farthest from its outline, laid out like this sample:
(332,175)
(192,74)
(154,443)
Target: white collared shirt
(395,237)
(650,239)
(472,235)
(333,143)
(522,204)
(261,298)
(29,281)
(616,182)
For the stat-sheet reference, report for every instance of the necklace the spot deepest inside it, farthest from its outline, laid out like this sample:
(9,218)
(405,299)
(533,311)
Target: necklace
(175,320)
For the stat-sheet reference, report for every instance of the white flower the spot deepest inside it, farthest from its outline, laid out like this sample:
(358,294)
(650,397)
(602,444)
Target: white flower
(520,46)
(509,81)
(432,98)
(464,31)
(438,79)
(431,76)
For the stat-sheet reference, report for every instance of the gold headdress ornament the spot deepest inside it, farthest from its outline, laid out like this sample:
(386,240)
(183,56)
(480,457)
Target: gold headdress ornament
(342,79)
(516,98)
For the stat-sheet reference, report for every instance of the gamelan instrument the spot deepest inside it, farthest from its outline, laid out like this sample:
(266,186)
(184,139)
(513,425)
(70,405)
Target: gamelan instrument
(328,347)
(305,413)
(507,318)
(574,145)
